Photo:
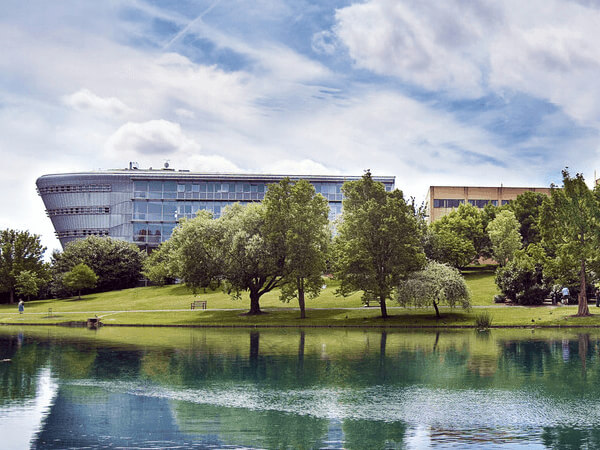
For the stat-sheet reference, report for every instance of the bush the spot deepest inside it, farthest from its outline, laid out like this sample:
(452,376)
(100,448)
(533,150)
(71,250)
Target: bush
(522,283)
(500,298)
(483,320)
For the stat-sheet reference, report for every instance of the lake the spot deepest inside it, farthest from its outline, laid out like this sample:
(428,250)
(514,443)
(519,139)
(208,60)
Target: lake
(313,388)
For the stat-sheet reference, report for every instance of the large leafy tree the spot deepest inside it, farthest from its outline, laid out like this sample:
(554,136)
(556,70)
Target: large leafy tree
(19,251)
(117,263)
(297,222)
(378,242)
(196,251)
(527,211)
(253,260)
(467,223)
(28,284)
(447,247)
(569,222)
(504,236)
(436,283)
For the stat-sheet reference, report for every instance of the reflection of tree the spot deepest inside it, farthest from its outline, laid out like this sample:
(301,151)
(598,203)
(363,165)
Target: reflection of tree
(363,434)
(251,428)
(571,438)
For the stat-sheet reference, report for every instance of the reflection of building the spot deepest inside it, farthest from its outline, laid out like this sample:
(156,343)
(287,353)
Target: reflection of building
(443,199)
(143,206)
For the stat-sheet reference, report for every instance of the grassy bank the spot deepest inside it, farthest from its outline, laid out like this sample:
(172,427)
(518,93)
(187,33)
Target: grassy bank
(170,305)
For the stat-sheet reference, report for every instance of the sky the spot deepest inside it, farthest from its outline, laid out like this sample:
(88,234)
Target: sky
(474,93)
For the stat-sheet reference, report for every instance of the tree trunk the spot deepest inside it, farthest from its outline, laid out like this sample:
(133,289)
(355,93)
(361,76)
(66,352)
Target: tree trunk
(437,311)
(254,304)
(12,297)
(79,295)
(384,313)
(583,309)
(301,298)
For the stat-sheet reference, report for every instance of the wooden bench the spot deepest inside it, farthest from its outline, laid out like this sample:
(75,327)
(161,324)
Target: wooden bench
(198,303)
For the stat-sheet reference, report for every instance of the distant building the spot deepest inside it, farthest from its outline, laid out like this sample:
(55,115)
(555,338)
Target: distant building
(443,199)
(143,206)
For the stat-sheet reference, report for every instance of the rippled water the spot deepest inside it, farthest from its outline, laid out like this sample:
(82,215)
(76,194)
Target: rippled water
(140,388)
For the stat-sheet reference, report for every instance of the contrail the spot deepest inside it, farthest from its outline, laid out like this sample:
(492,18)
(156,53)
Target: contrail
(189,25)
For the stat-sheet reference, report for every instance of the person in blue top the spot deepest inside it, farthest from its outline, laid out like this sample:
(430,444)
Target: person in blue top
(21,306)
(565,295)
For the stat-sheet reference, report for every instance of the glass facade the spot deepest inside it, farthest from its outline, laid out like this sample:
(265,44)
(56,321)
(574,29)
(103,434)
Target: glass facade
(144,206)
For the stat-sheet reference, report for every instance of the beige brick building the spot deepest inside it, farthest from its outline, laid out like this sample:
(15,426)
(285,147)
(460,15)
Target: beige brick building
(443,199)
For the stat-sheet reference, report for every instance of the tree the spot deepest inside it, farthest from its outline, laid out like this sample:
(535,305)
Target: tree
(569,221)
(27,284)
(378,243)
(80,277)
(196,251)
(527,211)
(252,259)
(19,251)
(449,248)
(117,263)
(436,283)
(158,266)
(522,278)
(298,220)
(466,222)
(504,236)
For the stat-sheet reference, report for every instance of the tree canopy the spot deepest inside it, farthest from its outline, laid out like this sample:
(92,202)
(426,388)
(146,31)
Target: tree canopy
(19,251)
(298,218)
(569,221)
(378,242)
(117,263)
(80,277)
(504,236)
(436,283)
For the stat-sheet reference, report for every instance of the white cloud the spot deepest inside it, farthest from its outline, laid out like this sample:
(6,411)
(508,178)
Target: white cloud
(185,113)
(155,137)
(86,100)
(425,43)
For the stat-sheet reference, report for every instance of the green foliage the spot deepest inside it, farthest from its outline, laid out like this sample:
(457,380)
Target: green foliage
(569,221)
(504,235)
(19,251)
(526,208)
(80,277)
(117,263)
(449,248)
(522,279)
(195,249)
(157,267)
(436,283)
(297,220)
(28,284)
(253,259)
(378,241)
(483,320)
(465,222)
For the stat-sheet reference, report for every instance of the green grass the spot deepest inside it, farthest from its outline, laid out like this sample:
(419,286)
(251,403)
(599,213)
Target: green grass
(172,305)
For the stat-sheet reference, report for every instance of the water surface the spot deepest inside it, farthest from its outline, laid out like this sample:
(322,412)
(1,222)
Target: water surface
(195,388)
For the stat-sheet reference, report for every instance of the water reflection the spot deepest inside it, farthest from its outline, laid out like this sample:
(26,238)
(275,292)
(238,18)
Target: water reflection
(300,388)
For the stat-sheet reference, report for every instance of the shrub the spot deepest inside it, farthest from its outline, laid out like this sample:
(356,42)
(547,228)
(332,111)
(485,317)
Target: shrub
(522,283)
(483,320)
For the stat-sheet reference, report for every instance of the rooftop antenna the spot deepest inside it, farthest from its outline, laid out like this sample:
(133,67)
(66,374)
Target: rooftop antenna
(167,163)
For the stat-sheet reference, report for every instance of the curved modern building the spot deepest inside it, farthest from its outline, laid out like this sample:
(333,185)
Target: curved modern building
(143,206)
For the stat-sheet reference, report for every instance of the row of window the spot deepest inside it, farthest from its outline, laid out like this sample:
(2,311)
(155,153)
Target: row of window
(82,233)
(152,233)
(456,202)
(78,210)
(76,188)
(174,211)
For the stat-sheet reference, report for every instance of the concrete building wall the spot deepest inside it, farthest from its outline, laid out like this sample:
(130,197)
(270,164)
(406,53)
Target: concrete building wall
(443,199)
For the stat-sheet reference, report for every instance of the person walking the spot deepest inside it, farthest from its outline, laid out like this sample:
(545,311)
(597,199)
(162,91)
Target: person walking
(21,306)
(565,295)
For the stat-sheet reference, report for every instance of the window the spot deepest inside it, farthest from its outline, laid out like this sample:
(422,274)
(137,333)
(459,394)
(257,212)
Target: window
(447,202)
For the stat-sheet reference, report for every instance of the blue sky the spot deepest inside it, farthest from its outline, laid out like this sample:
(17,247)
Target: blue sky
(453,92)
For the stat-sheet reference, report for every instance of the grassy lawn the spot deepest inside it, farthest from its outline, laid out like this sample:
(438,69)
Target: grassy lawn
(170,305)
